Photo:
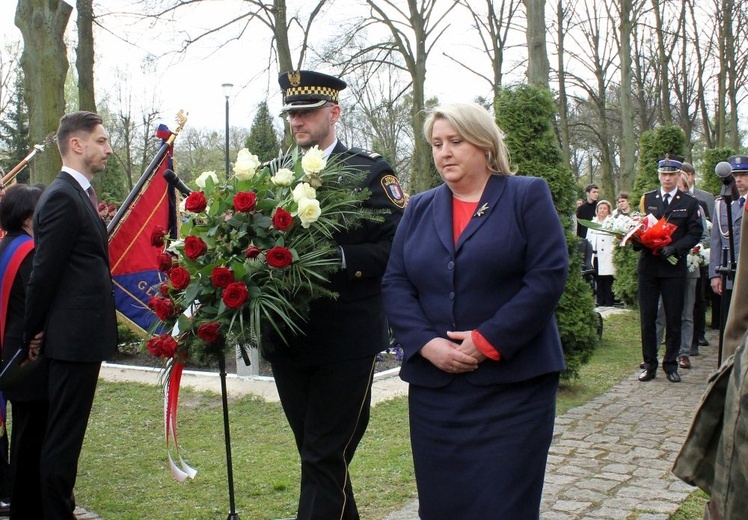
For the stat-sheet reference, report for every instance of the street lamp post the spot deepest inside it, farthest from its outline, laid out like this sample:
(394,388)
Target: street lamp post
(227,92)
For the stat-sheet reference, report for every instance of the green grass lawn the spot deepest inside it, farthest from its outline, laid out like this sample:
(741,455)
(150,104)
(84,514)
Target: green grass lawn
(124,471)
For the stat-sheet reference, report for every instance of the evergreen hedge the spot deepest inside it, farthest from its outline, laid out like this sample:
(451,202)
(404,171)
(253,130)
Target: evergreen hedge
(709,181)
(526,114)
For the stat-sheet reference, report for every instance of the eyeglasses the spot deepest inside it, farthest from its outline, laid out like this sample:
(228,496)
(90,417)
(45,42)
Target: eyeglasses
(303,113)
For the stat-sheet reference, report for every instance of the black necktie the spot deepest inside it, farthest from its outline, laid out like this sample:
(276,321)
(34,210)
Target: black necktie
(92,196)
(741,201)
(666,199)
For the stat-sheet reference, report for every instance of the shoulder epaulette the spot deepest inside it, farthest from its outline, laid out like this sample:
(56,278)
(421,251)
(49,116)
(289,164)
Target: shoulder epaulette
(364,153)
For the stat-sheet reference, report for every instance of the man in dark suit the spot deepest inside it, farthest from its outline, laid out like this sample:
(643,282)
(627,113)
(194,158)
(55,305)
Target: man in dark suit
(70,302)
(324,377)
(706,201)
(658,277)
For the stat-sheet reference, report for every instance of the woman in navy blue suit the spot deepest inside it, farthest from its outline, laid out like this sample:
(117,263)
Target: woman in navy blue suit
(477,267)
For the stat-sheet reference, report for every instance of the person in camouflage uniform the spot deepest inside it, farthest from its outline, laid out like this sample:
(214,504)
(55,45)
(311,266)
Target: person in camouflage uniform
(714,456)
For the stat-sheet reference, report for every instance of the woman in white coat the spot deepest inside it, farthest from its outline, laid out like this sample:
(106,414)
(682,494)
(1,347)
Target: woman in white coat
(602,250)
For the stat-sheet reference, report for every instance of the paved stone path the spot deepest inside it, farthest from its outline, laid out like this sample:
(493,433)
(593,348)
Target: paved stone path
(611,457)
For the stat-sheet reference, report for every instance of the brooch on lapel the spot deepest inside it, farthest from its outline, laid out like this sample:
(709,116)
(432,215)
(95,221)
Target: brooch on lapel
(481,210)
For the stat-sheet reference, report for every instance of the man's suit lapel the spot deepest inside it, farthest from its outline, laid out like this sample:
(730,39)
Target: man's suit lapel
(86,202)
(488,202)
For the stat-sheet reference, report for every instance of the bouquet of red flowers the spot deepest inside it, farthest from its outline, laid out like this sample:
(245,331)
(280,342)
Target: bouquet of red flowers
(648,231)
(255,252)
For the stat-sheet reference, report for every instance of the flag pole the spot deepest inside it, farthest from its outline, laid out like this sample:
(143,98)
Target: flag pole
(38,148)
(145,177)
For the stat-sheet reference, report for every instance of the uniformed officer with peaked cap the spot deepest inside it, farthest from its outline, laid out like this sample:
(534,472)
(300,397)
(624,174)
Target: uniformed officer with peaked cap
(324,377)
(658,276)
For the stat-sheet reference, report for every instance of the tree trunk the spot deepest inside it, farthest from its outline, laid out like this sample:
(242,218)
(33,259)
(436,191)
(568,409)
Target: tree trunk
(663,62)
(45,66)
(84,61)
(280,31)
(538,66)
(732,73)
(421,178)
(708,132)
(563,103)
(721,124)
(628,141)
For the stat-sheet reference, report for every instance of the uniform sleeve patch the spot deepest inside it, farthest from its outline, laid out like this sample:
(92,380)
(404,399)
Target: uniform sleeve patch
(392,189)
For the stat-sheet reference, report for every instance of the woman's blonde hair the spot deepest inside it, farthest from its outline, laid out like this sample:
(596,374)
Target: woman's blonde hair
(610,206)
(476,125)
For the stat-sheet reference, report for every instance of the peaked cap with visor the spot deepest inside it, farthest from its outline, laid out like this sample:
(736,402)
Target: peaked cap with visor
(306,89)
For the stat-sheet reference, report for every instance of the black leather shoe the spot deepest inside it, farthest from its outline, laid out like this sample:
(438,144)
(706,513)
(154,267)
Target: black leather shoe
(703,342)
(642,365)
(673,377)
(647,375)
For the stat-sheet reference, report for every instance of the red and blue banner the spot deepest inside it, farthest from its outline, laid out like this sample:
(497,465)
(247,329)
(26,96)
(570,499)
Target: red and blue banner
(148,211)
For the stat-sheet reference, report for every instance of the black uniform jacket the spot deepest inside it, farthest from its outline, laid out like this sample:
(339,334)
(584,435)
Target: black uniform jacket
(684,212)
(352,325)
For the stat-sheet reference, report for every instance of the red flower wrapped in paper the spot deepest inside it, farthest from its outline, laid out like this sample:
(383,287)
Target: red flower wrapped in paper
(653,234)
(650,232)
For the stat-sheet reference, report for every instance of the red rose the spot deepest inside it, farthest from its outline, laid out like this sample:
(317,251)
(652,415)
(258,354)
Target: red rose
(282,219)
(244,201)
(194,247)
(279,257)
(196,202)
(252,252)
(235,295)
(163,289)
(222,277)
(180,278)
(208,332)
(157,236)
(163,346)
(164,262)
(162,307)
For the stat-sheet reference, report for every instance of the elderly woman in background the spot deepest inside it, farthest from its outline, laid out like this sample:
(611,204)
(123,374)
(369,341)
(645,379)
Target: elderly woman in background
(477,268)
(602,249)
(29,397)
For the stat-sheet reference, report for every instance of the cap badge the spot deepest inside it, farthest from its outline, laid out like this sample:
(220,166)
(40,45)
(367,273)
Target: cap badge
(294,77)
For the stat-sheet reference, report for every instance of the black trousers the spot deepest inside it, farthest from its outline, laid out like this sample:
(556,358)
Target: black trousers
(605,290)
(699,307)
(327,408)
(29,427)
(650,290)
(71,393)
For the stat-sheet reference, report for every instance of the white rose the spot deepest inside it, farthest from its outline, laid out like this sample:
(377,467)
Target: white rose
(309,211)
(303,191)
(313,161)
(246,165)
(283,177)
(200,181)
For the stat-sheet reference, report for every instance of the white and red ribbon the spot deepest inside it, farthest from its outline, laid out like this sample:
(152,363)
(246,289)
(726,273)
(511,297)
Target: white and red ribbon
(181,471)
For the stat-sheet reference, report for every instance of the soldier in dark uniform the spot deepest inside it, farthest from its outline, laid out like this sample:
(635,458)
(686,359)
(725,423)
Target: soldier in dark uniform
(660,278)
(324,377)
